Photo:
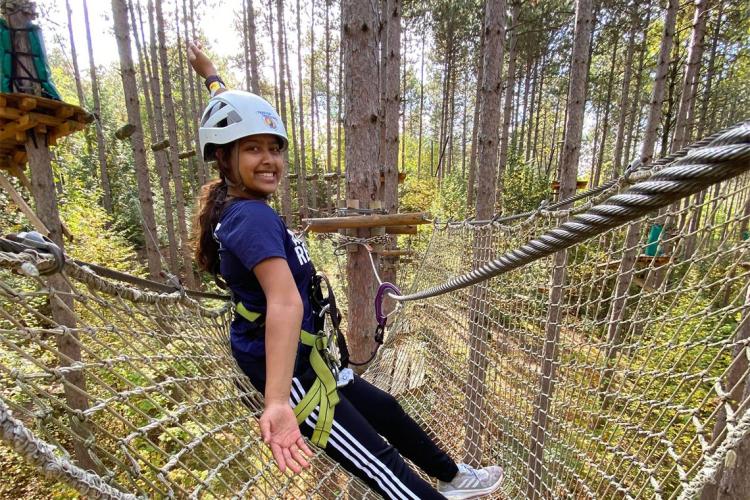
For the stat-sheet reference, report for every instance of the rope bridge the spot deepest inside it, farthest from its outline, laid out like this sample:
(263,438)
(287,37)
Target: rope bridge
(610,359)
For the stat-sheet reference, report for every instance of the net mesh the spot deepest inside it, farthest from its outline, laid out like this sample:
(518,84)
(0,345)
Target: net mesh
(616,368)
(168,412)
(607,370)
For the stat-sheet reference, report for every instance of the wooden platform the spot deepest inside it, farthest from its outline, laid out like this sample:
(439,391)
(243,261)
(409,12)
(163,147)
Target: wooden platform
(555,185)
(656,261)
(22,112)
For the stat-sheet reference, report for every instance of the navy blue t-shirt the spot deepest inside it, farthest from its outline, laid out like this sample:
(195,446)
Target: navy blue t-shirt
(250,232)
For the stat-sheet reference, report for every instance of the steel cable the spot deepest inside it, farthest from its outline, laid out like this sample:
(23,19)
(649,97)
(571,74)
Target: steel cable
(724,156)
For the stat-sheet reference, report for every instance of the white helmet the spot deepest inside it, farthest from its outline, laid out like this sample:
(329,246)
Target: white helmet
(235,114)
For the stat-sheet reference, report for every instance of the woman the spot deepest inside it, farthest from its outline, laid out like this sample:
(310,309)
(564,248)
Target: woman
(268,270)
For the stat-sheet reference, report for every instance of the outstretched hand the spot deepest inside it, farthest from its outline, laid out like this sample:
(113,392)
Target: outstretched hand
(199,60)
(279,429)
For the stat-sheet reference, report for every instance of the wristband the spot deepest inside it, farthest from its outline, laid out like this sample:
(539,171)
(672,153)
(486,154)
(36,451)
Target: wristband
(214,78)
(213,87)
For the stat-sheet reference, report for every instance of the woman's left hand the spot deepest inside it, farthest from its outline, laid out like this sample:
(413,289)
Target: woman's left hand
(199,60)
(279,429)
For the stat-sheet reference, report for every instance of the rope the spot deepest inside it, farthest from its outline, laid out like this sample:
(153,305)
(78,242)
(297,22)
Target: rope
(54,468)
(724,157)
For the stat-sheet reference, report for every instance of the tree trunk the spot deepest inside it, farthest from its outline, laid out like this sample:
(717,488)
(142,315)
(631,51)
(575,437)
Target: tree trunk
(421,111)
(156,129)
(252,45)
(340,107)
(637,106)
(392,105)
(471,182)
(100,145)
(567,176)
(489,124)
(269,13)
(633,236)
(329,150)
(192,84)
(685,111)
(286,195)
(360,58)
(74,57)
(510,85)
(132,105)
(174,150)
(624,93)
(539,92)
(403,102)
(532,105)
(710,73)
(313,156)
(186,121)
(732,483)
(301,153)
(246,45)
(45,198)
(662,66)
(294,132)
(607,107)
(672,77)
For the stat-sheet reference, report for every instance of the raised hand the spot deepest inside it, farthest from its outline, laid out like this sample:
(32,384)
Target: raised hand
(199,60)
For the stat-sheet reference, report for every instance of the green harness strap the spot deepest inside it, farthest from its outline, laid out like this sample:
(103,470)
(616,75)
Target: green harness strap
(322,393)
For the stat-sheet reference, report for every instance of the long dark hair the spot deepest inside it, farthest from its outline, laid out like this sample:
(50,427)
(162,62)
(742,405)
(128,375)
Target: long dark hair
(211,203)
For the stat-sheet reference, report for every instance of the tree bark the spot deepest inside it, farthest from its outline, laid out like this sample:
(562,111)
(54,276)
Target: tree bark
(45,200)
(132,104)
(489,124)
(624,94)
(194,98)
(510,85)
(607,107)
(174,150)
(100,144)
(636,109)
(186,121)
(313,118)
(361,125)
(254,78)
(685,111)
(286,195)
(156,130)
(471,181)
(567,176)
(702,121)
(392,104)
(421,110)
(329,150)
(662,66)
(302,153)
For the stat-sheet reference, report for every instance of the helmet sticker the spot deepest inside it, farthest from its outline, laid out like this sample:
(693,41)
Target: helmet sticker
(268,119)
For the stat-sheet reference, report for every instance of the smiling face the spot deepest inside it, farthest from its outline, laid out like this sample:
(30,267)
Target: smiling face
(259,164)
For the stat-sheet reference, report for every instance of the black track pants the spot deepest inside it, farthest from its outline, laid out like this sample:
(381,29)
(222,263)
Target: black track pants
(364,416)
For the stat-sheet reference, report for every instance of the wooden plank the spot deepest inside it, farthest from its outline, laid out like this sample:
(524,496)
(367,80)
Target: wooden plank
(401,229)
(27,103)
(65,112)
(22,205)
(332,224)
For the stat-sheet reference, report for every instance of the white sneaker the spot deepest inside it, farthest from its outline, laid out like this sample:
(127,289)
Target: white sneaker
(472,483)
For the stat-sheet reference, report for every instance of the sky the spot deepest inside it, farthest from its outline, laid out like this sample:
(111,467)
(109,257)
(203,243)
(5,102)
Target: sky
(222,37)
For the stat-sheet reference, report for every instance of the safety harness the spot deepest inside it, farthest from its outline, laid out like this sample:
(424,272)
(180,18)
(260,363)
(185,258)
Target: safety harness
(322,394)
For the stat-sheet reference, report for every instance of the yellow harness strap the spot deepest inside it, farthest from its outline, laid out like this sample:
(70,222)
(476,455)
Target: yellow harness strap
(322,394)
